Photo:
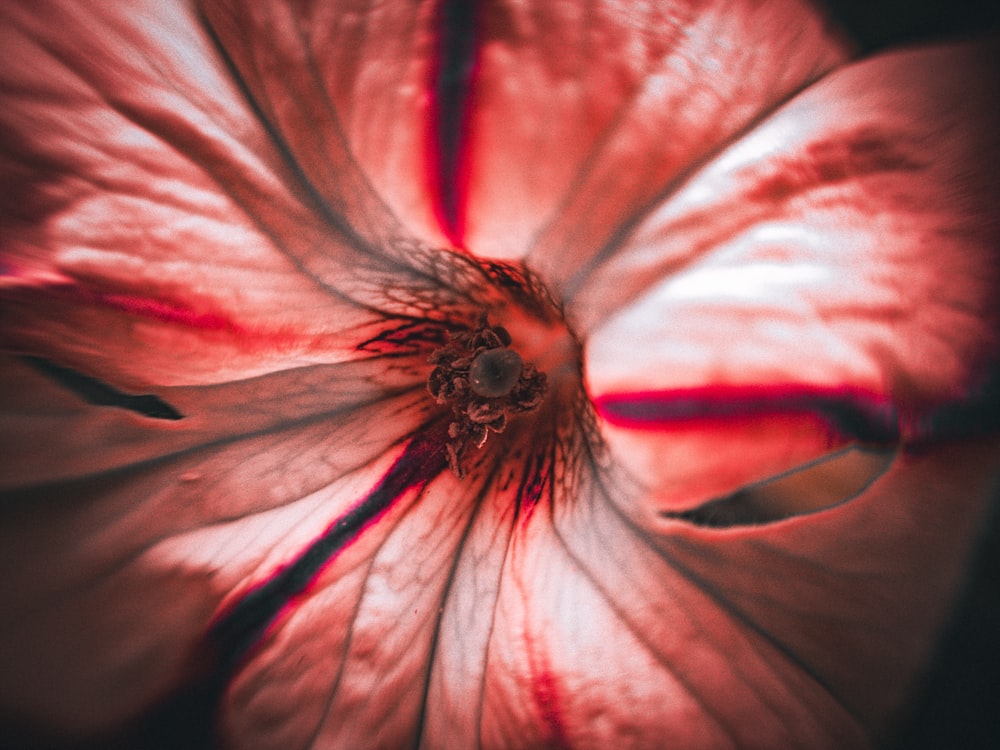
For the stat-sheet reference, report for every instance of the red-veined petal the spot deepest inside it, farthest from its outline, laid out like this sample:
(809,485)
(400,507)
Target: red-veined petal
(584,113)
(346,85)
(807,632)
(845,250)
(158,233)
(122,539)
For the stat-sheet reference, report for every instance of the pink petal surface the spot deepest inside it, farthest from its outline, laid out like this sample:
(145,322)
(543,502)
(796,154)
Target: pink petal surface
(584,113)
(846,243)
(858,219)
(195,513)
(225,205)
(162,236)
(345,86)
(852,597)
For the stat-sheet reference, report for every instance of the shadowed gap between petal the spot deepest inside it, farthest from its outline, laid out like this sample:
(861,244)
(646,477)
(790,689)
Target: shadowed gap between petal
(99,393)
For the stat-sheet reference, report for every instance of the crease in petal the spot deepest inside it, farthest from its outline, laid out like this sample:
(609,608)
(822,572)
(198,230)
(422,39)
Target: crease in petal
(50,432)
(876,584)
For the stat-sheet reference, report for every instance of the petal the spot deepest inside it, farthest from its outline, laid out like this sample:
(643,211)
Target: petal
(52,436)
(163,236)
(844,251)
(582,114)
(122,540)
(334,672)
(806,633)
(577,623)
(346,86)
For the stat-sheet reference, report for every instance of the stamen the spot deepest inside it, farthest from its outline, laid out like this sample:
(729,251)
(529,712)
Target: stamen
(485,383)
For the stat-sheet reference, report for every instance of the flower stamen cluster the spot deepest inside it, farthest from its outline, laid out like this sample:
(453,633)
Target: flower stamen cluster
(485,383)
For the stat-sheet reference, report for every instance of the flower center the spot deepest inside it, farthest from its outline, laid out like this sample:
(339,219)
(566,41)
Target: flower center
(485,383)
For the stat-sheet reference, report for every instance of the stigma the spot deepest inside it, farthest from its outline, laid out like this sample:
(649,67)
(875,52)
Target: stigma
(495,372)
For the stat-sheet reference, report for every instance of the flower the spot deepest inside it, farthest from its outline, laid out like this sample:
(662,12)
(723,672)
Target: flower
(758,279)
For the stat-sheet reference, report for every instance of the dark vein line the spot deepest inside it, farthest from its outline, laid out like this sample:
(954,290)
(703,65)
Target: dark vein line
(279,141)
(637,633)
(641,534)
(122,473)
(130,115)
(331,693)
(443,602)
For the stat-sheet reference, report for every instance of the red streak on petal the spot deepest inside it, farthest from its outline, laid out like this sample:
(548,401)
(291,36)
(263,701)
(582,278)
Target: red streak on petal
(245,623)
(536,478)
(163,310)
(544,691)
(450,85)
(70,297)
(850,413)
(167,312)
(546,695)
(848,156)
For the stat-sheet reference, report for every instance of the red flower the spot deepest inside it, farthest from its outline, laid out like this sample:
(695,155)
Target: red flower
(508,375)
